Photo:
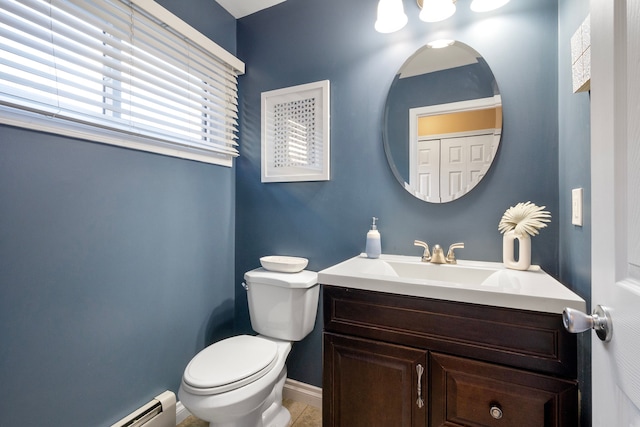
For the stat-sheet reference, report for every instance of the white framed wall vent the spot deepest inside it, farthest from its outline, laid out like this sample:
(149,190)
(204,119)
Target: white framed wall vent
(295,133)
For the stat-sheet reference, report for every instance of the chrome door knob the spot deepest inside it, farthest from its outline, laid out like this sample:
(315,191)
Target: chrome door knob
(576,321)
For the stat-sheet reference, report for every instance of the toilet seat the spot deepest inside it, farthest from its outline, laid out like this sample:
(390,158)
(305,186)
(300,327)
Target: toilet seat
(230,364)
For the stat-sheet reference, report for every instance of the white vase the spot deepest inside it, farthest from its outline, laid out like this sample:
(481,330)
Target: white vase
(508,251)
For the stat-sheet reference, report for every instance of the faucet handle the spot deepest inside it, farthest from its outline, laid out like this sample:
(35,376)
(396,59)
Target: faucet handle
(426,255)
(451,257)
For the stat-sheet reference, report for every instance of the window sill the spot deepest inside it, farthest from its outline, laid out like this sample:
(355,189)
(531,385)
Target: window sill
(39,122)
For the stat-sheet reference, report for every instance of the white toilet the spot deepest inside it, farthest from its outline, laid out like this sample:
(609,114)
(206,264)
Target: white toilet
(237,382)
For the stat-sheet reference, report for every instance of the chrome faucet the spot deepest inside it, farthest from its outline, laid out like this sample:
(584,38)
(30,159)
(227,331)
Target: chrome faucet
(438,256)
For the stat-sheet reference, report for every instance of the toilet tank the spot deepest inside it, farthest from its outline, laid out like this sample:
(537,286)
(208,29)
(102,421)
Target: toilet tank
(282,305)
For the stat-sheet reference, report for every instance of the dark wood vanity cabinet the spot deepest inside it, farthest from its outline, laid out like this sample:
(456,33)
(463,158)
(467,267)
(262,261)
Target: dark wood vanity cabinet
(373,383)
(481,365)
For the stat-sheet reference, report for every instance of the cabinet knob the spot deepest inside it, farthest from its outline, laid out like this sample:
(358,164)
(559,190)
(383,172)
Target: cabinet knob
(495,412)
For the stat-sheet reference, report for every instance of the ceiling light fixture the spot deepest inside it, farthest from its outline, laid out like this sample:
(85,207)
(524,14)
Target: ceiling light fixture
(391,16)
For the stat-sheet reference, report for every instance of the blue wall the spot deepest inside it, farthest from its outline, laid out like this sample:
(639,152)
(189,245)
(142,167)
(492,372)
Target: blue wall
(302,41)
(575,172)
(116,267)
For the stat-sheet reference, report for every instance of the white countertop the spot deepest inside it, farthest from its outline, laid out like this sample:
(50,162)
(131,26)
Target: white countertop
(496,285)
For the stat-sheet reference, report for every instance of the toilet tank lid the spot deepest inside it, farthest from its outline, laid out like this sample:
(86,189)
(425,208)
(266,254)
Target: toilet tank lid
(304,279)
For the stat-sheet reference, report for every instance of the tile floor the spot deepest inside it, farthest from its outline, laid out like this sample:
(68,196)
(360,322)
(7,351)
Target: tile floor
(302,415)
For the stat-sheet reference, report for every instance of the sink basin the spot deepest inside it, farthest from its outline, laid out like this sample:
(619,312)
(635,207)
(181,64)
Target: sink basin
(478,282)
(454,274)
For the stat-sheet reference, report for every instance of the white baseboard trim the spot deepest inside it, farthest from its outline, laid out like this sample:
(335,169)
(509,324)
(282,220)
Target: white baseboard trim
(294,390)
(302,392)
(182,413)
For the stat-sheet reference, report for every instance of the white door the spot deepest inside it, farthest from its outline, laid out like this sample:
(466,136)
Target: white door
(615,168)
(464,161)
(454,158)
(426,178)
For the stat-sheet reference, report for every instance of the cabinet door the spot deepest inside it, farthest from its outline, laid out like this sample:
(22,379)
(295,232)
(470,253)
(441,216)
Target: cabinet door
(470,393)
(373,384)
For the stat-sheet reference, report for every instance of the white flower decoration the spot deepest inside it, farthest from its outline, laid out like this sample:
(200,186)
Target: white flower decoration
(524,218)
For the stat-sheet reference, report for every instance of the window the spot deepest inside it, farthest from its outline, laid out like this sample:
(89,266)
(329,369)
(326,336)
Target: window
(124,72)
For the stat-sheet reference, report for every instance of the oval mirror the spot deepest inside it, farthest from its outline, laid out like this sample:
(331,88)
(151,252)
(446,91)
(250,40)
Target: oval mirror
(442,122)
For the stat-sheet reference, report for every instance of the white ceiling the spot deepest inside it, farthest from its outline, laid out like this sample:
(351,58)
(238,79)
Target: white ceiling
(240,8)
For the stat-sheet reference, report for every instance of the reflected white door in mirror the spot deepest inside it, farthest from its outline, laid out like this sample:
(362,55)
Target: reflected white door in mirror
(451,147)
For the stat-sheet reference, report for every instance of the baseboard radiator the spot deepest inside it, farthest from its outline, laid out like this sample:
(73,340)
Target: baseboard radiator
(160,412)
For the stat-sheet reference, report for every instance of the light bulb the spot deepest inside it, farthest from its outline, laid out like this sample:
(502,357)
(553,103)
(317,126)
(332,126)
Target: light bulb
(437,10)
(391,16)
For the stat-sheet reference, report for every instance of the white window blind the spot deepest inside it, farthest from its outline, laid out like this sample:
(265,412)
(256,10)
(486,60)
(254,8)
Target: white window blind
(122,66)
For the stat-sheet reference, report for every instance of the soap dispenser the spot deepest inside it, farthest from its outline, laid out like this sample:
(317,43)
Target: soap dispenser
(373,249)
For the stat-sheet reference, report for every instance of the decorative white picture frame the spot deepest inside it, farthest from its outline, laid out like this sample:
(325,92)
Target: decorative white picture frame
(295,133)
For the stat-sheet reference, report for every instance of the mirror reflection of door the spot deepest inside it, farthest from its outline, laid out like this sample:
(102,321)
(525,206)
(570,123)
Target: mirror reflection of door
(452,147)
(435,78)
(424,170)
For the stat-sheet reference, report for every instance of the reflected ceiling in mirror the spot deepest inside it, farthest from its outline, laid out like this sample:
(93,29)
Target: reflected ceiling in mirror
(442,122)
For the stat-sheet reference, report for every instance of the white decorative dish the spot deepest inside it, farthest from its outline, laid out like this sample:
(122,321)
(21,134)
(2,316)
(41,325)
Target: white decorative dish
(283,264)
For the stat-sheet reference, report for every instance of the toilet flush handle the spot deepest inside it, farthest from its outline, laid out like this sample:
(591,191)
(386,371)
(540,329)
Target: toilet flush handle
(245,286)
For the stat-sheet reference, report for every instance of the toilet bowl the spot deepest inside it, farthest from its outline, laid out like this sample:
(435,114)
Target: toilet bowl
(241,401)
(238,382)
